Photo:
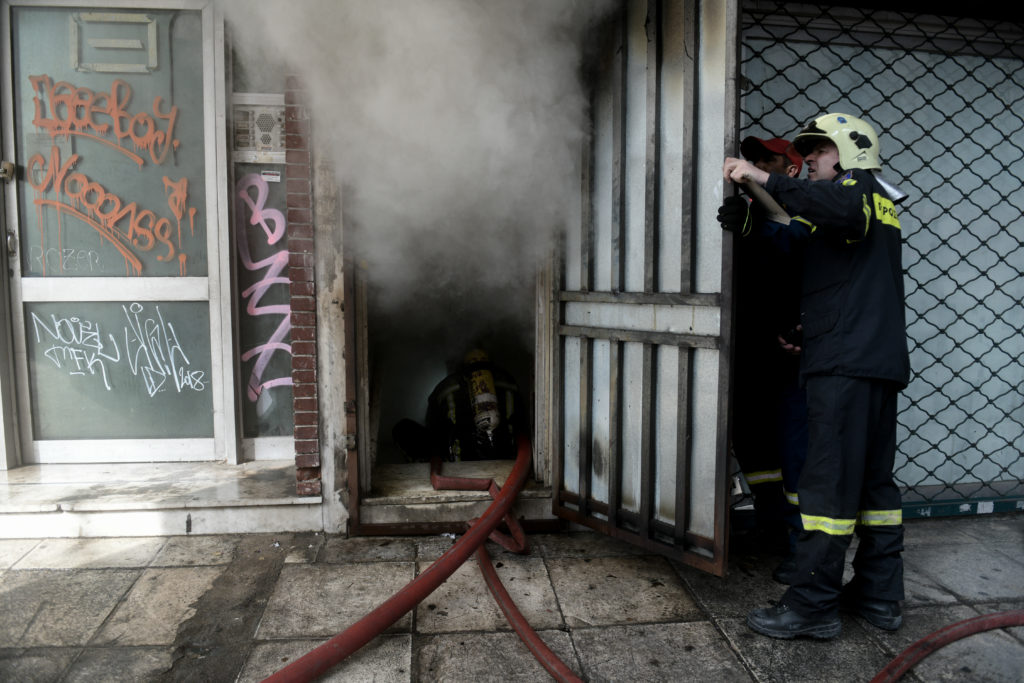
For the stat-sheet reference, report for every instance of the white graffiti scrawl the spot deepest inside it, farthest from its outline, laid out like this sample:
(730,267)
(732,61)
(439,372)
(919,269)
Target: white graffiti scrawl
(146,342)
(155,354)
(76,345)
(273,225)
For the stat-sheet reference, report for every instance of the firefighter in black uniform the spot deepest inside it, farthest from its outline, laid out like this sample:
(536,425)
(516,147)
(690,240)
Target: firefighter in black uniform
(854,363)
(769,407)
(472,414)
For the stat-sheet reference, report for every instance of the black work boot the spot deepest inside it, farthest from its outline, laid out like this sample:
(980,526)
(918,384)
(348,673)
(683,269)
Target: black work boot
(883,614)
(782,622)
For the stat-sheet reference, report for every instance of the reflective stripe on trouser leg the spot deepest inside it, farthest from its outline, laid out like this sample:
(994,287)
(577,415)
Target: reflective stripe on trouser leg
(843,416)
(763,477)
(878,564)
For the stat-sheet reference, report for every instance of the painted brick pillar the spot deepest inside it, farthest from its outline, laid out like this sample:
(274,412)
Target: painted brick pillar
(303,292)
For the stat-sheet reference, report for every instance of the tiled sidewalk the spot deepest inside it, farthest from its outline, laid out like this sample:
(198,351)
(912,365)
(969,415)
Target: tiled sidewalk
(227,608)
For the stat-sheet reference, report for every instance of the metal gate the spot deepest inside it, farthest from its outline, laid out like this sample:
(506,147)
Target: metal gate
(640,335)
(947,98)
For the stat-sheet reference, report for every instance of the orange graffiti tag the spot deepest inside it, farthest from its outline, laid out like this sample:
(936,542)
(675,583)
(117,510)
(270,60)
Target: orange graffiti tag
(177,199)
(123,224)
(63,109)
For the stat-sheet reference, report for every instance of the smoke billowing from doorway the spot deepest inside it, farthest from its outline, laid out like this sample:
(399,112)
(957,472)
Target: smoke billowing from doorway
(455,126)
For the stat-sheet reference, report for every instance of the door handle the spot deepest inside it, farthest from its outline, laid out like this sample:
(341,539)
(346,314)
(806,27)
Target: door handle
(12,243)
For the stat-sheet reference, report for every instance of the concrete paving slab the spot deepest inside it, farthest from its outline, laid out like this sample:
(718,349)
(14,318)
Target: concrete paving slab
(12,550)
(58,607)
(35,666)
(692,651)
(385,659)
(191,551)
(91,553)
(305,548)
(851,658)
(119,664)
(1013,550)
(747,584)
(371,549)
(968,572)
(1002,533)
(918,622)
(487,657)
(991,608)
(159,601)
(982,528)
(990,657)
(321,600)
(602,591)
(464,603)
(583,544)
(920,588)
(429,548)
(917,532)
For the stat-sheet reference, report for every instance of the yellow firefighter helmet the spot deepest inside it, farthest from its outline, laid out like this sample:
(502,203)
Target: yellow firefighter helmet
(855,139)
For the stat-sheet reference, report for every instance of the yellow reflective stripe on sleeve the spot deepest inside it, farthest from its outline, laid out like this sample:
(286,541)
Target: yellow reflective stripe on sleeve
(881,517)
(765,477)
(832,527)
(791,497)
(850,181)
(885,211)
(867,217)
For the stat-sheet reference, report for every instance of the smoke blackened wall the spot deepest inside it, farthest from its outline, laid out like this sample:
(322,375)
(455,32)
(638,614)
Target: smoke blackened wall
(455,128)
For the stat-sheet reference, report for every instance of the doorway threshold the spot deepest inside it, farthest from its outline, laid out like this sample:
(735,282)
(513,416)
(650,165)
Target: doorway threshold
(403,497)
(154,499)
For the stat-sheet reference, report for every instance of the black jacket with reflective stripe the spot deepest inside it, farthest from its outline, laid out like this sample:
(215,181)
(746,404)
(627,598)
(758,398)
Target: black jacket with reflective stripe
(852,300)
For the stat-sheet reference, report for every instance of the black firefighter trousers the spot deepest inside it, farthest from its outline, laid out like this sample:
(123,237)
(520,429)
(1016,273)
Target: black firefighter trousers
(847,486)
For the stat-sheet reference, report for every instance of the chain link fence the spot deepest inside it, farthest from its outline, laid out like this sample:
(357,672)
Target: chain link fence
(946,96)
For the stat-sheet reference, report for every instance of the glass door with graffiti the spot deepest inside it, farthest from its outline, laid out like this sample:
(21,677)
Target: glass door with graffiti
(114,252)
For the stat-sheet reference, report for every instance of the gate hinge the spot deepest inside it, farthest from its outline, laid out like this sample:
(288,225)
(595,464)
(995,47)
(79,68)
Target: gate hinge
(7,171)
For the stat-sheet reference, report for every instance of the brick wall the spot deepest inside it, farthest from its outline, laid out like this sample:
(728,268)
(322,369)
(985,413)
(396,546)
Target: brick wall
(303,300)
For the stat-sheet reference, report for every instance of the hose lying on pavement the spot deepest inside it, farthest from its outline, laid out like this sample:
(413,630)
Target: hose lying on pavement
(907,659)
(543,654)
(319,660)
(514,542)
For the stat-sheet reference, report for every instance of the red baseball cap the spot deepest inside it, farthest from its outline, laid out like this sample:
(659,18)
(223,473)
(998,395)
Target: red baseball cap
(753,149)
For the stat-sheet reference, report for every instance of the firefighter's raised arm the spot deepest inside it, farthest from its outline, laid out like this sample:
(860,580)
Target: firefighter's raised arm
(742,171)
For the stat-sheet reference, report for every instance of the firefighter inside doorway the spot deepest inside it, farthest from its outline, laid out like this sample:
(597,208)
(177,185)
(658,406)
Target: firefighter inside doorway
(475,413)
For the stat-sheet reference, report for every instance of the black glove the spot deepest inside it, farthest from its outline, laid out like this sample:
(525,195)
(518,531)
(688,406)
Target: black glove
(734,215)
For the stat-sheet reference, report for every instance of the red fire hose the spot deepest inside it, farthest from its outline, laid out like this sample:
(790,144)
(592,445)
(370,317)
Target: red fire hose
(907,659)
(316,662)
(541,652)
(516,543)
